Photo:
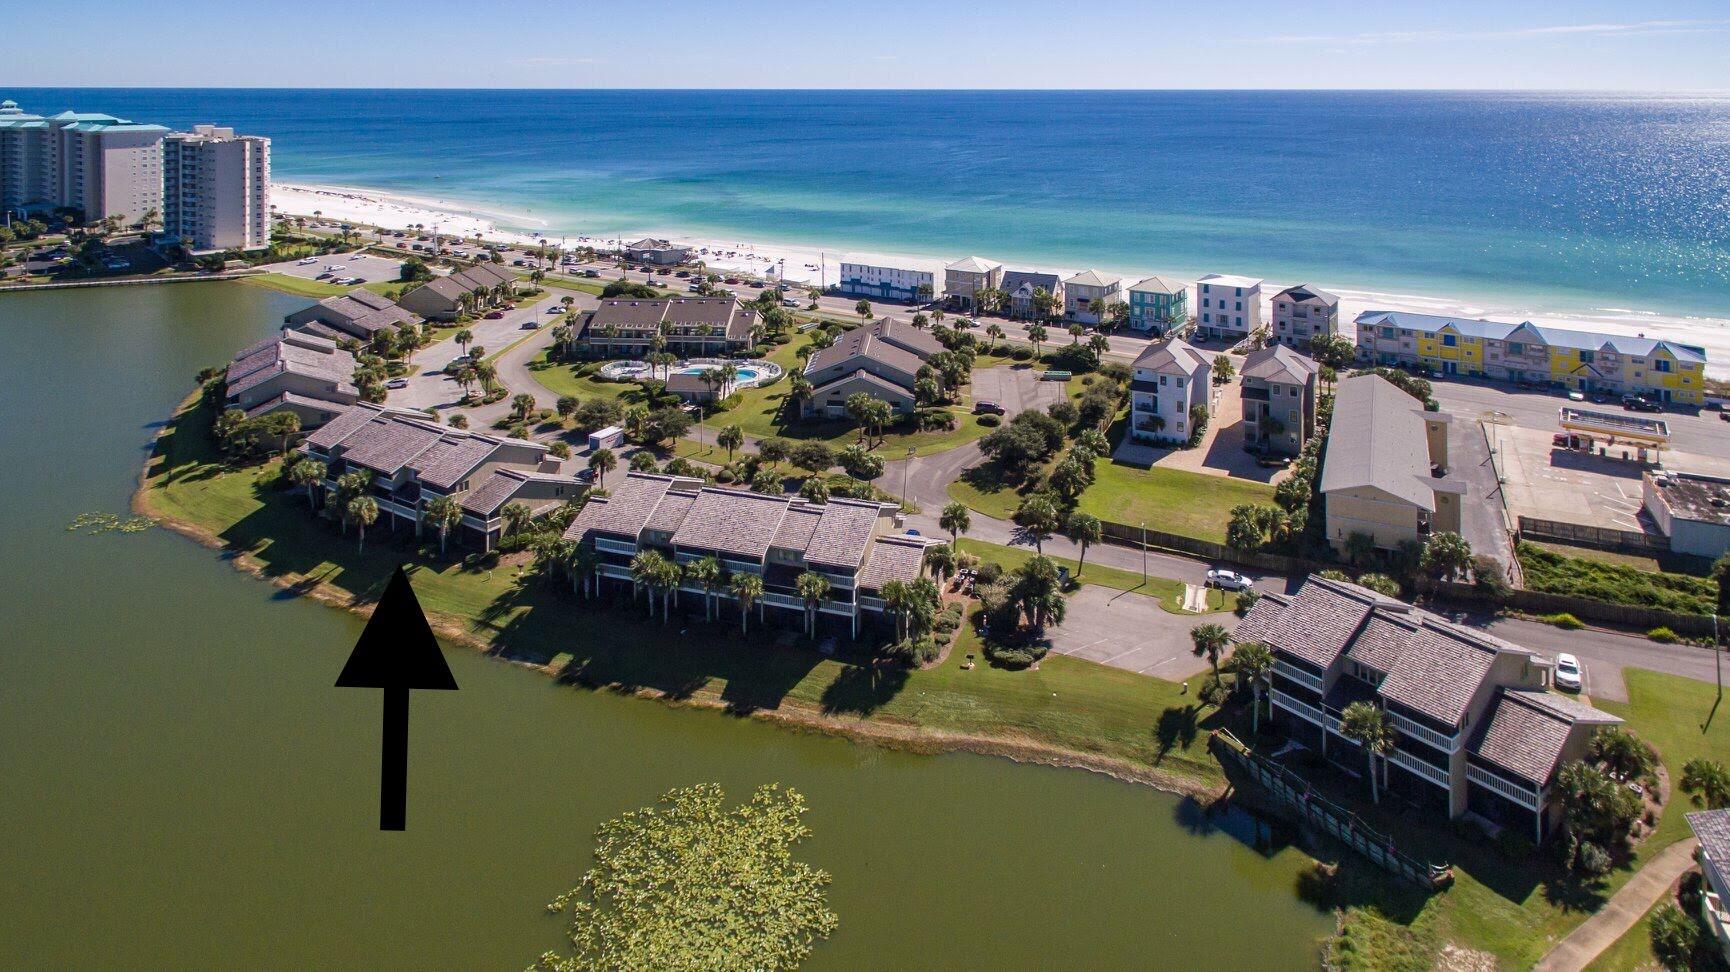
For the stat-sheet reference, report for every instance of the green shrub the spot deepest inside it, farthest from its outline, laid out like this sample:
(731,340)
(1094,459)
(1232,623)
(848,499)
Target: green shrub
(1663,635)
(1022,354)
(1562,619)
(1555,573)
(1514,845)
(989,572)
(990,421)
(1013,656)
(1676,939)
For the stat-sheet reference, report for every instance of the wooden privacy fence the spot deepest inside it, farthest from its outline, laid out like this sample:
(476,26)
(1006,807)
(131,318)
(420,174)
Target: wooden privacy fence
(1596,537)
(1584,608)
(1296,796)
(1131,536)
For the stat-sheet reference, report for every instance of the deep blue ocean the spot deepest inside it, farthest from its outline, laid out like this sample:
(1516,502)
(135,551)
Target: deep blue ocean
(1569,201)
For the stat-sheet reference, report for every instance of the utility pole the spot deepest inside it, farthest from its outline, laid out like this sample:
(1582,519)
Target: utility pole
(1144,554)
(905,466)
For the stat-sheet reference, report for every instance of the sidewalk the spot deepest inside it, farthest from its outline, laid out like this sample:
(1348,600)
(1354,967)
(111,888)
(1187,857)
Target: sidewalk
(1625,908)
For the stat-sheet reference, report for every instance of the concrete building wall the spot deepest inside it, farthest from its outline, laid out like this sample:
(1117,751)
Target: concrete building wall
(216,189)
(1385,517)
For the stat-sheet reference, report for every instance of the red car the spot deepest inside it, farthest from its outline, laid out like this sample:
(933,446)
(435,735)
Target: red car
(495,315)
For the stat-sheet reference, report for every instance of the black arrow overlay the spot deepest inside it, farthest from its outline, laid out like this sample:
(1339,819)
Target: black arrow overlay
(397,652)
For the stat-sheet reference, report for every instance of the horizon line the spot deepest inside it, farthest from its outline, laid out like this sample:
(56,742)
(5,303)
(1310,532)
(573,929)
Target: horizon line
(124,86)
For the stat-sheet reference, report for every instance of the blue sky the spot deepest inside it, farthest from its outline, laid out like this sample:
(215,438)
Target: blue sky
(893,44)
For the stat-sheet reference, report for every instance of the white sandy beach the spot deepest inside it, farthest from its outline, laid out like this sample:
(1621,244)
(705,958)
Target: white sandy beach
(811,264)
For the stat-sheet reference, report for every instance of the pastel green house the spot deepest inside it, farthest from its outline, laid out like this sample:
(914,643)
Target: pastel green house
(1157,304)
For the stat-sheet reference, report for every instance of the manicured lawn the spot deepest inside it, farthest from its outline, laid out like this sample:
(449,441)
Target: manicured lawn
(1067,704)
(1169,592)
(561,378)
(1170,500)
(1633,951)
(295,285)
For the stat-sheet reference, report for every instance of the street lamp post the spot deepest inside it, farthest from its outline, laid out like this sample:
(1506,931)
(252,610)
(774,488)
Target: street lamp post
(1144,554)
(905,466)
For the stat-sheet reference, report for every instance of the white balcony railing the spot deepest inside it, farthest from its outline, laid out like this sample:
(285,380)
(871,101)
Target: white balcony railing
(1298,675)
(615,570)
(615,546)
(1524,796)
(1435,774)
(782,601)
(1426,735)
(1300,709)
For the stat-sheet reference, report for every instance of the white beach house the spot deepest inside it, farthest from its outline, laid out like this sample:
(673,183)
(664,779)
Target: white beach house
(1226,307)
(1169,380)
(890,283)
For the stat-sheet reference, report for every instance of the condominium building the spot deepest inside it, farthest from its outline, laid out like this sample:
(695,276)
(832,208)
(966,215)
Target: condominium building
(216,189)
(1168,381)
(881,359)
(1158,304)
(1586,361)
(1303,313)
(1279,400)
(658,252)
(1022,288)
(847,542)
(98,164)
(464,292)
(966,277)
(692,327)
(1712,828)
(1384,472)
(1089,288)
(1228,308)
(890,283)
(359,314)
(1475,727)
(296,372)
(411,460)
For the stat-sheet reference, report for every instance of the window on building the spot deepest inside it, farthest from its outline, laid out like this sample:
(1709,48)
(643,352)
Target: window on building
(1515,347)
(1585,357)
(1660,365)
(1448,341)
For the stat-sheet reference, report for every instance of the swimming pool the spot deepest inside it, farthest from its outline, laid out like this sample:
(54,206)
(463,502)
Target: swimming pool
(749,374)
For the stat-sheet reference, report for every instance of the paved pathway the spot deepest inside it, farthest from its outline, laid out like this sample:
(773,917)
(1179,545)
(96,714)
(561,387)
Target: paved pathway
(1622,911)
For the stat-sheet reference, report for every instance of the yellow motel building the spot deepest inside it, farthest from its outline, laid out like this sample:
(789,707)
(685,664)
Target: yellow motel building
(1585,361)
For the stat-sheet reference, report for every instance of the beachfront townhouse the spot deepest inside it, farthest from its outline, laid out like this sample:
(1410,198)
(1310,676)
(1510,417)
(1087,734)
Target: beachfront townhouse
(1475,727)
(890,283)
(1586,361)
(1712,829)
(881,359)
(1089,295)
(1168,381)
(966,277)
(295,372)
(464,292)
(1279,400)
(849,543)
(692,327)
(1384,473)
(1031,295)
(1227,308)
(1303,313)
(1158,304)
(658,252)
(359,314)
(412,460)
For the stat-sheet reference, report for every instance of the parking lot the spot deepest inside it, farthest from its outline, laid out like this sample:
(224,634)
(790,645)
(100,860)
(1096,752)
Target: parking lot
(1131,631)
(365,266)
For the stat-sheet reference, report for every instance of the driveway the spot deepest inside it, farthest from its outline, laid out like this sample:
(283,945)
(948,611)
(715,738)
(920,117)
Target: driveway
(1016,387)
(1483,519)
(429,387)
(1131,631)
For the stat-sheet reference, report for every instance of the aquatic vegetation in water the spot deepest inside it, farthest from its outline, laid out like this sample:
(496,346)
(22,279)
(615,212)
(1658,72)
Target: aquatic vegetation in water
(92,524)
(691,883)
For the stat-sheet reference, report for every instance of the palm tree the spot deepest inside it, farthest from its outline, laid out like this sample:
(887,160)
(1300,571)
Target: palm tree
(955,520)
(1253,662)
(645,572)
(1036,336)
(729,438)
(1369,727)
(995,332)
(517,517)
(584,562)
(603,461)
(1039,518)
(1208,641)
(1707,782)
(308,473)
(464,337)
(813,588)
(364,511)
(521,405)
(666,578)
(443,513)
(896,596)
(1075,333)
(1099,344)
(942,560)
(747,588)
(705,573)
(1084,529)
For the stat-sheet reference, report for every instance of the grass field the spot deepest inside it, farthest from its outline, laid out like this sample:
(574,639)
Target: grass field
(1067,706)
(295,285)
(1169,592)
(1616,583)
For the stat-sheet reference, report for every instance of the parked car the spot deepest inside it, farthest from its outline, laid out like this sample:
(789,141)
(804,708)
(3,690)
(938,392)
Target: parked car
(307,262)
(1568,674)
(790,302)
(1227,580)
(591,273)
(1724,416)
(1639,403)
(1576,396)
(494,315)
(987,407)
(530,325)
(397,383)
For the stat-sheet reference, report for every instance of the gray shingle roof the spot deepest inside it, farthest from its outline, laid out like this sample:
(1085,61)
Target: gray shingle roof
(1712,827)
(861,343)
(670,511)
(626,511)
(300,354)
(1524,732)
(797,527)
(387,446)
(1303,292)
(1093,278)
(445,464)
(1276,362)
(344,425)
(491,494)
(1436,672)
(842,534)
(733,522)
(1315,624)
(1378,439)
(903,335)
(1173,357)
(892,558)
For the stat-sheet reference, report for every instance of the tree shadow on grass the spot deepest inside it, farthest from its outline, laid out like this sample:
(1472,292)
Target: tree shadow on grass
(862,689)
(1177,728)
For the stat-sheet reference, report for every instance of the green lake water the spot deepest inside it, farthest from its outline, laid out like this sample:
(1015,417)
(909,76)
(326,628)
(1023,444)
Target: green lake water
(181,786)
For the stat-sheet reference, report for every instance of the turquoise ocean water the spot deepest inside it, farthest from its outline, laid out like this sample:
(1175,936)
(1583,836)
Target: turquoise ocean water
(1572,202)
